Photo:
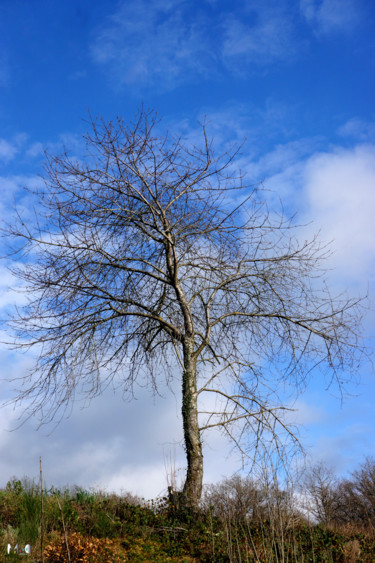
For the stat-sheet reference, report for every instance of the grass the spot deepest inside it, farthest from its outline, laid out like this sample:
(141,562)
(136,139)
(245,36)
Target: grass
(92,527)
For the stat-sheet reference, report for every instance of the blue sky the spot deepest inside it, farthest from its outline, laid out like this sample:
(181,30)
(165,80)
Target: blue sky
(296,79)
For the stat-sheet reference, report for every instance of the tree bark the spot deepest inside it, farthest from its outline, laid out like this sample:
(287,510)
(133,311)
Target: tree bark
(194,477)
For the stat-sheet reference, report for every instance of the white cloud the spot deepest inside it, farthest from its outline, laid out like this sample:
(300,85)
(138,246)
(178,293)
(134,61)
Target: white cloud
(35,150)
(165,43)
(344,446)
(8,150)
(112,445)
(157,44)
(267,36)
(281,159)
(340,194)
(358,129)
(332,191)
(303,413)
(105,446)
(331,16)
(12,188)
(9,290)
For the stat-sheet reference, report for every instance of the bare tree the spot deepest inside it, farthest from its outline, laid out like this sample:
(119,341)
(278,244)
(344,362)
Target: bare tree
(152,252)
(321,485)
(355,497)
(364,487)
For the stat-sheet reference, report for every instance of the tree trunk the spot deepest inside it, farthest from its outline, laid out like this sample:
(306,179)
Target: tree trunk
(193,485)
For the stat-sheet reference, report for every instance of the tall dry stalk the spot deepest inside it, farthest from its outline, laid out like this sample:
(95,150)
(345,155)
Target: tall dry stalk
(63,523)
(41,510)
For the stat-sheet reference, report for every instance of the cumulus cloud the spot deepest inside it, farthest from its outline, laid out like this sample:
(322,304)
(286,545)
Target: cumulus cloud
(85,448)
(340,192)
(332,190)
(112,445)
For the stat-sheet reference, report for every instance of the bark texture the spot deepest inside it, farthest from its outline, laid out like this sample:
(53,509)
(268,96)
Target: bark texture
(193,445)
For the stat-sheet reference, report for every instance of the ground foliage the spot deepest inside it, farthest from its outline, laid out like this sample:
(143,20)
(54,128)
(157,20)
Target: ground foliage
(103,528)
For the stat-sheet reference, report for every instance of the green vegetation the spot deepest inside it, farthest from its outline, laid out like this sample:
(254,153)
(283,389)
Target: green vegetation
(239,520)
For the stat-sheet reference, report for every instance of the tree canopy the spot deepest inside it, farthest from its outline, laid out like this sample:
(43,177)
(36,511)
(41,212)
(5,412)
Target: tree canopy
(151,258)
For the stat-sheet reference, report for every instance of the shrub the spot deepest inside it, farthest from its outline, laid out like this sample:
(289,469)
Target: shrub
(82,549)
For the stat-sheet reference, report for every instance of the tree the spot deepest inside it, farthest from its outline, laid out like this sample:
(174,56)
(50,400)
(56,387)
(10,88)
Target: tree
(321,486)
(240,500)
(355,497)
(153,252)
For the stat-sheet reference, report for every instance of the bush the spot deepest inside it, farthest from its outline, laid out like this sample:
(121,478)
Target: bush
(82,549)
